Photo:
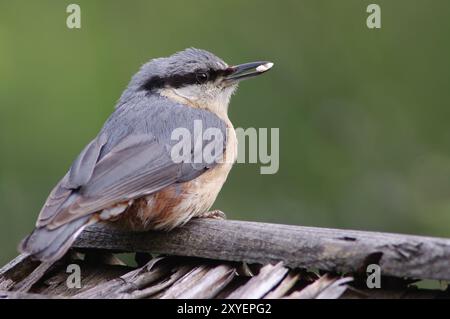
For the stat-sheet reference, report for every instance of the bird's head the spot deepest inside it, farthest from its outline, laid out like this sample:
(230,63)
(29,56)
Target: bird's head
(196,78)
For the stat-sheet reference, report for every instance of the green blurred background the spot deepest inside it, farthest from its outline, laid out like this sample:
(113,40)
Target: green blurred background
(363,114)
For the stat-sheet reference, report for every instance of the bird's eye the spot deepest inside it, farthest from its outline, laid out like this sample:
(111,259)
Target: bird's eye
(202,77)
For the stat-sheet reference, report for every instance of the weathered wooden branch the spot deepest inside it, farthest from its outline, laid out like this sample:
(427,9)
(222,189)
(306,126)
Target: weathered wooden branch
(24,295)
(346,251)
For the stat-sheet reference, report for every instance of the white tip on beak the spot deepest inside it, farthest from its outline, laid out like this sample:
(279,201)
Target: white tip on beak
(264,67)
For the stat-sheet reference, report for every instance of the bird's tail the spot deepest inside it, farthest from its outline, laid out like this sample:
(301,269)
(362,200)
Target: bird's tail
(51,244)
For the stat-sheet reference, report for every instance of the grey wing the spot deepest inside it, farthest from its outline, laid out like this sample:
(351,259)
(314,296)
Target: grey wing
(79,174)
(139,164)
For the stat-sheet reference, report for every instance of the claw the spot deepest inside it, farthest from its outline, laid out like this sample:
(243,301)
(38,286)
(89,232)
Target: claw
(214,214)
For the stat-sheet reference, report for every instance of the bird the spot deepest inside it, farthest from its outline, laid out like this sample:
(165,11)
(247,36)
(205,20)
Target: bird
(128,175)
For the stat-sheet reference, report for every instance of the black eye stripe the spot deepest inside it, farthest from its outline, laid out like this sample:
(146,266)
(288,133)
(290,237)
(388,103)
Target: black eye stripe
(180,80)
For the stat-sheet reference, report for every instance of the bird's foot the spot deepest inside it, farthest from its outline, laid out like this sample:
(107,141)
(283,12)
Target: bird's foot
(214,214)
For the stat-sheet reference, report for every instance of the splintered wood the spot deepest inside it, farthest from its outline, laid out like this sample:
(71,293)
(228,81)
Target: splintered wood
(163,277)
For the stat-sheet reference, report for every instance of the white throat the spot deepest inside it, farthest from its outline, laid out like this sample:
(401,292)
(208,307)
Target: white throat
(208,97)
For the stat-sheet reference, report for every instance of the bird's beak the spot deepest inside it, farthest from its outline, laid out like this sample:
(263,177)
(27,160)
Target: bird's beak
(244,71)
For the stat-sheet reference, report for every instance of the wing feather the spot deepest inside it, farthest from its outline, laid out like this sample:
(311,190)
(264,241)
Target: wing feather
(130,158)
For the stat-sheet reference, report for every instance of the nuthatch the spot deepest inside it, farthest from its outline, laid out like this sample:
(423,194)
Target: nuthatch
(127,176)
